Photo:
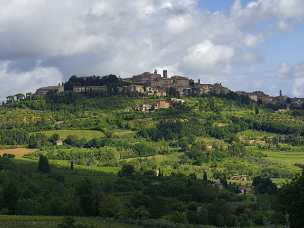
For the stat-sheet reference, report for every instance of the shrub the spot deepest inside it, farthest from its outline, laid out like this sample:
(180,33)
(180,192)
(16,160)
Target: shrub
(126,170)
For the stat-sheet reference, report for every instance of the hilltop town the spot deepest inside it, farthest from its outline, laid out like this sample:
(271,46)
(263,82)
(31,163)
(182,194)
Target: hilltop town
(150,145)
(154,84)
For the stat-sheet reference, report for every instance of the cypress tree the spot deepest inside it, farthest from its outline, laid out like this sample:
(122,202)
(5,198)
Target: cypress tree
(43,164)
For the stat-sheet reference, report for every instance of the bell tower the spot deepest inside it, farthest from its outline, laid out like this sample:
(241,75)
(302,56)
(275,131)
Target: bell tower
(165,73)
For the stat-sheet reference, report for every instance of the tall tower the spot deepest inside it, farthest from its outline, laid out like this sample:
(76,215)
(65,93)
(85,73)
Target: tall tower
(165,73)
(155,71)
(281,94)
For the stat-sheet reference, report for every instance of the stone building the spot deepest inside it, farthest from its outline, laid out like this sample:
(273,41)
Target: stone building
(217,89)
(146,78)
(161,83)
(180,82)
(49,89)
(136,88)
(29,95)
(90,89)
(204,88)
(262,98)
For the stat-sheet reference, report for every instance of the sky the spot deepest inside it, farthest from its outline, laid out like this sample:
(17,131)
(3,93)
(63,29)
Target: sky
(245,44)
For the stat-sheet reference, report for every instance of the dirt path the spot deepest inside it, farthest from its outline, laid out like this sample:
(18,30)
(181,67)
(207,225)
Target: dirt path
(18,152)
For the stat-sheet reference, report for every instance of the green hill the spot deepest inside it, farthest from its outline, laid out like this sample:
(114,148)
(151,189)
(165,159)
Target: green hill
(169,153)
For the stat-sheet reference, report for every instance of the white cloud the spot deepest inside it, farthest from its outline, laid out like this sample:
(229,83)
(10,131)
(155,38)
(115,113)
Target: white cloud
(112,33)
(285,70)
(291,71)
(290,9)
(179,24)
(293,74)
(299,71)
(207,56)
(252,40)
(298,87)
(22,82)
(283,10)
(127,37)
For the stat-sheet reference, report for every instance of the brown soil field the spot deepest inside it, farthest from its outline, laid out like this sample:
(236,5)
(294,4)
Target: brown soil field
(18,152)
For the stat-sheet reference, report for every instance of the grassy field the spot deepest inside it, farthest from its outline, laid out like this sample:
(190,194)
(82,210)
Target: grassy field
(123,133)
(66,164)
(251,134)
(87,134)
(288,159)
(52,222)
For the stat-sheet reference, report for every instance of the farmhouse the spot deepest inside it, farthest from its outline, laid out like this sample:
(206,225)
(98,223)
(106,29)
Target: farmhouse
(10,99)
(144,108)
(20,97)
(17,97)
(162,104)
(59,142)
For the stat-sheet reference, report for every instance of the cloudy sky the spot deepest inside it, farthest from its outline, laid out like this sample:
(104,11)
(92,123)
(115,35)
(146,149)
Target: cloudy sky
(246,44)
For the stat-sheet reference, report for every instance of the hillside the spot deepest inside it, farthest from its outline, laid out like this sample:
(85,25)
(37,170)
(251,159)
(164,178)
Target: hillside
(196,158)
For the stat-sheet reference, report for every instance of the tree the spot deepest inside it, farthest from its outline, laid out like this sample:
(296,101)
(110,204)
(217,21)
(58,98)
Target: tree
(290,202)
(263,185)
(108,134)
(236,149)
(37,140)
(205,177)
(127,170)
(71,140)
(72,165)
(54,138)
(197,155)
(178,217)
(89,197)
(256,110)
(109,205)
(144,149)
(6,162)
(43,164)
(10,196)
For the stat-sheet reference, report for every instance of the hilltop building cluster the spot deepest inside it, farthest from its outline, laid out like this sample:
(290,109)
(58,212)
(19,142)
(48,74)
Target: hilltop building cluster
(153,84)
(145,84)
(265,99)
(162,85)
